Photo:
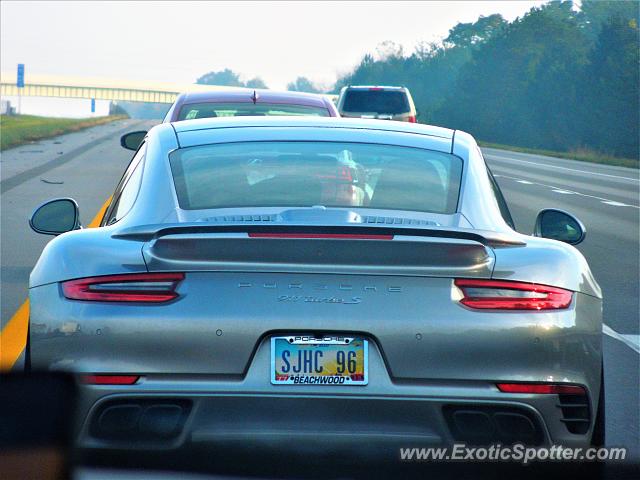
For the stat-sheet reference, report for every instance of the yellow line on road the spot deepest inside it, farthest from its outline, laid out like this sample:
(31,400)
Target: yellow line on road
(98,218)
(13,337)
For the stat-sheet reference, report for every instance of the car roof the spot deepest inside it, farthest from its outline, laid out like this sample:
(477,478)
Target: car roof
(311,122)
(190,133)
(246,96)
(377,87)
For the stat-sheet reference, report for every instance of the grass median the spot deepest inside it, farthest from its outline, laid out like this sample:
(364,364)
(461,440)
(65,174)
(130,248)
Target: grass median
(16,130)
(582,155)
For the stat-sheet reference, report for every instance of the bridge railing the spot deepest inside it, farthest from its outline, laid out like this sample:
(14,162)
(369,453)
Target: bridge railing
(99,93)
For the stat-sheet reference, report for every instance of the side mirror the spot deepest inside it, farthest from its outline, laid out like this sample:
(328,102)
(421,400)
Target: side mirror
(55,217)
(559,225)
(132,140)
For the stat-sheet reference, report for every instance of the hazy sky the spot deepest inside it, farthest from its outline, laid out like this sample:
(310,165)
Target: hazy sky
(179,41)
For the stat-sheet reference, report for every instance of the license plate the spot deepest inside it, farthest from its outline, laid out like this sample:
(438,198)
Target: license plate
(329,360)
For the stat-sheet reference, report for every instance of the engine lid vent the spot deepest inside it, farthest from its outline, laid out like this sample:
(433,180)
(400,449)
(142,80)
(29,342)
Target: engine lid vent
(242,219)
(319,215)
(398,221)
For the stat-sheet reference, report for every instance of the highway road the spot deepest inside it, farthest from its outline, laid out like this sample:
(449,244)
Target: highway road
(84,165)
(87,165)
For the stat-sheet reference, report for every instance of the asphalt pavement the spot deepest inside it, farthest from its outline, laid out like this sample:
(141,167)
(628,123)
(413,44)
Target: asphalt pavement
(87,165)
(84,165)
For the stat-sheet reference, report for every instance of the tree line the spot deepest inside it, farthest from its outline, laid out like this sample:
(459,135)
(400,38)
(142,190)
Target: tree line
(557,78)
(229,78)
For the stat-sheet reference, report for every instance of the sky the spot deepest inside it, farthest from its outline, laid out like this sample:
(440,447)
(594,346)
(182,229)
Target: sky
(179,41)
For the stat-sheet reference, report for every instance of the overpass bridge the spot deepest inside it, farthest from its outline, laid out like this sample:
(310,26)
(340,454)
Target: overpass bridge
(97,88)
(101,90)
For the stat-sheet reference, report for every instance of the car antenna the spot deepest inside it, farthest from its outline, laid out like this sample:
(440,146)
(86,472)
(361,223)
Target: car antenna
(254,97)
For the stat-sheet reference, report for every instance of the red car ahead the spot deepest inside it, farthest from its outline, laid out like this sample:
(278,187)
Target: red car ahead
(239,102)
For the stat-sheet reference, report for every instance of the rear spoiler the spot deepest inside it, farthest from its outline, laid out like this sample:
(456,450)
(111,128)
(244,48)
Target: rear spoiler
(144,233)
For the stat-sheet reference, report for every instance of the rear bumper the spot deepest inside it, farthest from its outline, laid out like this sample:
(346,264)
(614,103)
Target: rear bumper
(172,412)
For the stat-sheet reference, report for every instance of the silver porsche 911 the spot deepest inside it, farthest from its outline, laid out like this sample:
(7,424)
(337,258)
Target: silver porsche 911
(317,287)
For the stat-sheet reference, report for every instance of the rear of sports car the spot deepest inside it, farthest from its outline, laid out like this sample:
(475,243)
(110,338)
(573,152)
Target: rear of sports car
(316,331)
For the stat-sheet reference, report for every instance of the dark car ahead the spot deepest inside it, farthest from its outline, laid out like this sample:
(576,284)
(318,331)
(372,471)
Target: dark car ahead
(243,103)
(384,103)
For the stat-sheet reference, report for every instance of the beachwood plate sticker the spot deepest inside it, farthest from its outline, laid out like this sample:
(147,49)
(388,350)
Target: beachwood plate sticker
(327,360)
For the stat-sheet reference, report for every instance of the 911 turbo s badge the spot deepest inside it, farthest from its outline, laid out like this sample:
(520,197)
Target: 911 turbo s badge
(329,298)
(312,299)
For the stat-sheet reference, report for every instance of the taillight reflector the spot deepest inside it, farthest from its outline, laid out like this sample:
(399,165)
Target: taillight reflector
(413,119)
(507,295)
(543,388)
(110,379)
(136,287)
(345,236)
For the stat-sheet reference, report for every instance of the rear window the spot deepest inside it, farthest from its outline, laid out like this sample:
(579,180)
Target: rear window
(209,110)
(304,174)
(375,101)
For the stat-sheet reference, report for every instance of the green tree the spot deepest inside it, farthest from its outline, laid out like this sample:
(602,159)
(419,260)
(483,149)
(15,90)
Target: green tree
(612,89)
(596,13)
(521,87)
(469,34)
(431,71)
(302,84)
(559,77)
(256,82)
(226,77)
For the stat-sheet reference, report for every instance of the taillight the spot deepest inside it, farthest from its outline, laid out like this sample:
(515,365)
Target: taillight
(413,119)
(506,295)
(543,388)
(109,379)
(136,287)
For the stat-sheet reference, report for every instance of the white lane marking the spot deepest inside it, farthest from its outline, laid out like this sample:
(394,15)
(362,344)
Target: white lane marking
(616,204)
(524,182)
(631,341)
(563,168)
(560,190)
(564,192)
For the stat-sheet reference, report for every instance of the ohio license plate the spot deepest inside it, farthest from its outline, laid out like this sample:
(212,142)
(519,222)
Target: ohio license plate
(328,360)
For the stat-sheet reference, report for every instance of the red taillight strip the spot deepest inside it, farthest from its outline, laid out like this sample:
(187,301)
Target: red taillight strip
(543,388)
(345,236)
(110,379)
(554,298)
(81,289)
